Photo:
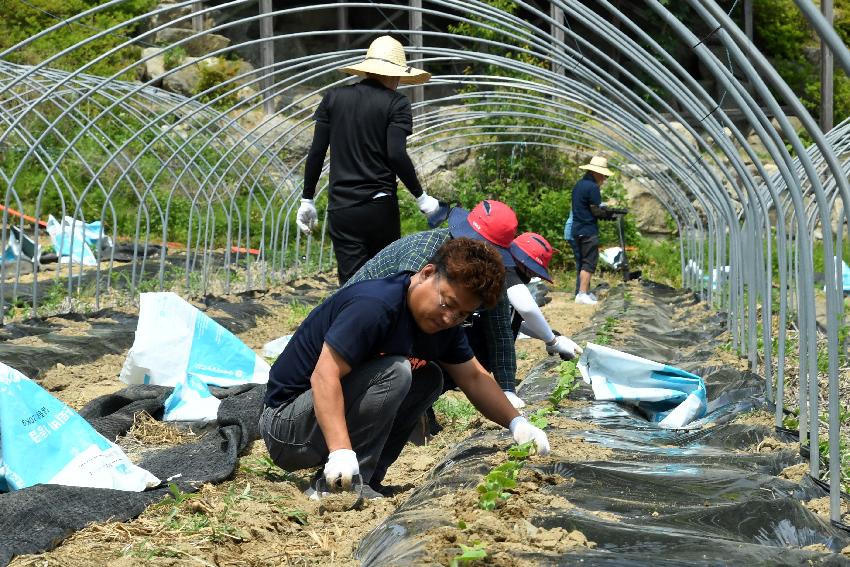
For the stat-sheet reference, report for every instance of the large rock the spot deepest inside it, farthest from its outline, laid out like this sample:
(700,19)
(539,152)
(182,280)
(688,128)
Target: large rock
(186,80)
(153,68)
(197,45)
(183,81)
(671,132)
(649,214)
(170,13)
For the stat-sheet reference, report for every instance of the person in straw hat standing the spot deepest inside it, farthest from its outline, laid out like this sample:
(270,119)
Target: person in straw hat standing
(587,209)
(366,127)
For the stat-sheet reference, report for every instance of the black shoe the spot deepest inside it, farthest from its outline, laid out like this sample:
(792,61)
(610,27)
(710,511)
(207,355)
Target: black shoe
(433,426)
(369,493)
(388,490)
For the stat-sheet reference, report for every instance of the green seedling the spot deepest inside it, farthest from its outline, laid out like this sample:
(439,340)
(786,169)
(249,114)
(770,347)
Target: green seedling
(458,413)
(469,553)
(606,333)
(567,371)
(538,418)
(493,489)
(520,452)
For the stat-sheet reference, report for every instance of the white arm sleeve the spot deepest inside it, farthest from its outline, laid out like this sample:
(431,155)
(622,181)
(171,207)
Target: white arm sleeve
(522,300)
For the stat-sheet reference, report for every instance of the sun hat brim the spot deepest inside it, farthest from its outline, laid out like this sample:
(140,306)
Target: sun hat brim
(407,75)
(528,262)
(459,227)
(601,170)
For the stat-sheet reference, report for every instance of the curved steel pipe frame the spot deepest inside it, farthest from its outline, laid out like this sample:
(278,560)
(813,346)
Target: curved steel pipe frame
(224,165)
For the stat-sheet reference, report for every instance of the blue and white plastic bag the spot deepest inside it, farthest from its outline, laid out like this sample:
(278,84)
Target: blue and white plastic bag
(69,241)
(174,340)
(43,441)
(191,400)
(668,396)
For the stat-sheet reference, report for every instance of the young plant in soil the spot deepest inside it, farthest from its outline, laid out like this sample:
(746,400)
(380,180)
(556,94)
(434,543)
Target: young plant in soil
(567,372)
(606,333)
(493,488)
(469,553)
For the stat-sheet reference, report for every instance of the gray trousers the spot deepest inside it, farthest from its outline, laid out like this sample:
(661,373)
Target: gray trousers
(384,400)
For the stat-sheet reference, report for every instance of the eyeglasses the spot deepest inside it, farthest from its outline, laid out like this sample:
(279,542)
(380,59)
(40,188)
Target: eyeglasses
(454,315)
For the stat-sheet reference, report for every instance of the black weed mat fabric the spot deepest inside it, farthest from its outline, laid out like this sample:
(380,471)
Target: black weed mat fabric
(697,496)
(112,332)
(37,519)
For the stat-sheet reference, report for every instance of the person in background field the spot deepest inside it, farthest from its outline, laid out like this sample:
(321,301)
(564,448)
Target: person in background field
(568,236)
(343,391)
(587,209)
(532,254)
(366,126)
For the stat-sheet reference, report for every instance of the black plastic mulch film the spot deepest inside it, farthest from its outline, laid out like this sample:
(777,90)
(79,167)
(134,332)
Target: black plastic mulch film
(674,497)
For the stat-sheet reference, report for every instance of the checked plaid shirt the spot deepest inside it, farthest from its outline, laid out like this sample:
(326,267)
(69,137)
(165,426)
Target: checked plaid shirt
(410,254)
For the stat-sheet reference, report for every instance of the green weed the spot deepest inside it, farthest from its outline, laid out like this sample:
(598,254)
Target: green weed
(146,551)
(264,467)
(173,57)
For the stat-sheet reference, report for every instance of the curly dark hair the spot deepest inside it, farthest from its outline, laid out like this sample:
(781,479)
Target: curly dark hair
(474,265)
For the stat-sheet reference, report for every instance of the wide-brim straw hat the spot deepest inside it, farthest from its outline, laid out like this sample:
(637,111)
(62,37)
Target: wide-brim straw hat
(598,164)
(385,57)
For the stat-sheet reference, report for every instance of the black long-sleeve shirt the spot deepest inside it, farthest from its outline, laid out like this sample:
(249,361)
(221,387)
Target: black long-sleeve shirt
(365,125)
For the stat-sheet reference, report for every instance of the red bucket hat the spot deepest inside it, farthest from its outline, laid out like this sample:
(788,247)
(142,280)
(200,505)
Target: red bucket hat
(491,221)
(534,252)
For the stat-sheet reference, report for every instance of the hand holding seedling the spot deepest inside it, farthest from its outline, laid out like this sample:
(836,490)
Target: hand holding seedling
(524,432)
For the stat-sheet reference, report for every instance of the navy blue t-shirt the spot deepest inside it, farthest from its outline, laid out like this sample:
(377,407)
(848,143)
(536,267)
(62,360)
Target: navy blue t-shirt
(360,322)
(585,193)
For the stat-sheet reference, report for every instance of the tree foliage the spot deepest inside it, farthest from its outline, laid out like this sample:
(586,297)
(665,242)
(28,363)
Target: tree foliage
(23,20)
(782,33)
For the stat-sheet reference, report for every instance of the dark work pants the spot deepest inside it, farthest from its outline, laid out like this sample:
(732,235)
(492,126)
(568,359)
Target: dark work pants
(383,402)
(577,256)
(358,233)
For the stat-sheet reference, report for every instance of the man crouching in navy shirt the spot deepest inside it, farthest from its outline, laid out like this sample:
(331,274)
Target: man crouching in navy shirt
(343,393)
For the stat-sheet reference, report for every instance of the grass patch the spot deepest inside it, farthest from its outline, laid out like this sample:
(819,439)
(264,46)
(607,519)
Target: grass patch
(455,413)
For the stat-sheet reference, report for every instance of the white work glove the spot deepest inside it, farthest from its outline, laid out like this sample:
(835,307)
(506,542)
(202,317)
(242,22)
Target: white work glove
(524,432)
(307,218)
(341,467)
(427,204)
(514,399)
(564,347)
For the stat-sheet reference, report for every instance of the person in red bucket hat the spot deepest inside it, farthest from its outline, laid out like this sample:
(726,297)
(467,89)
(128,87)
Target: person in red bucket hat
(532,254)
(491,221)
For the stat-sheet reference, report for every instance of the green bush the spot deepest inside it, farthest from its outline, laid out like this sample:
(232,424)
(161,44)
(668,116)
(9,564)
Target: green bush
(22,21)
(173,57)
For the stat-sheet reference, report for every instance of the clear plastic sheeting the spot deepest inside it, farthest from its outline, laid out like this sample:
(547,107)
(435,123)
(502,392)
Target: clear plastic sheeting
(648,496)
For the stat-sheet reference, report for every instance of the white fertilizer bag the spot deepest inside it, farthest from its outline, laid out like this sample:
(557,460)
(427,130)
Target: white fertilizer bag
(669,396)
(174,340)
(191,401)
(43,441)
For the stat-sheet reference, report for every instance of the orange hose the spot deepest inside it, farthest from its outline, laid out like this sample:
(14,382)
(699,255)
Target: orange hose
(13,212)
